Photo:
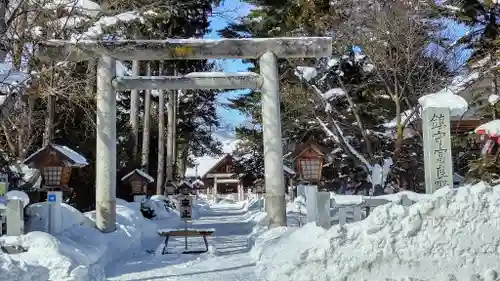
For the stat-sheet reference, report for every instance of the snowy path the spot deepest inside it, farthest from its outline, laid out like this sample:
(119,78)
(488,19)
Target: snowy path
(231,262)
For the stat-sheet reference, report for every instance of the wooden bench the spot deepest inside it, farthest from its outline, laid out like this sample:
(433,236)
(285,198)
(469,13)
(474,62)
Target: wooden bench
(186,233)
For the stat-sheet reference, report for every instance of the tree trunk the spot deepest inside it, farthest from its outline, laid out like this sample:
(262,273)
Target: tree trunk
(160,177)
(21,131)
(398,144)
(91,77)
(182,152)
(134,110)
(4,42)
(49,120)
(147,121)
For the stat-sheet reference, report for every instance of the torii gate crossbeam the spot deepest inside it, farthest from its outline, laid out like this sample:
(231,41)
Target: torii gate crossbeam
(267,50)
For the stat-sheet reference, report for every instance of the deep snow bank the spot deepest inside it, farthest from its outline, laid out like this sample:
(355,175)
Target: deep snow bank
(20,271)
(455,233)
(38,217)
(78,253)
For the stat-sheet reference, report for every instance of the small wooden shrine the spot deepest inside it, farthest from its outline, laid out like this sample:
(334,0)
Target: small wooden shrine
(138,180)
(55,163)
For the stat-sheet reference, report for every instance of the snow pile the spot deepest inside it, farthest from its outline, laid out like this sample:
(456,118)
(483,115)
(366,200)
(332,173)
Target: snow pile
(20,271)
(261,235)
(81,252)
(256,239)
(297,206)
(201,204)
(38,217)
(453,233)
(163,208)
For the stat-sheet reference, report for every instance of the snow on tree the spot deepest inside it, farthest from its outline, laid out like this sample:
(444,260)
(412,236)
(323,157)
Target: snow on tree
(383,64)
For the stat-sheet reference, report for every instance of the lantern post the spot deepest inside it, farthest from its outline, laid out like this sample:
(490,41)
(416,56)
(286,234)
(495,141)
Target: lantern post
(310,164)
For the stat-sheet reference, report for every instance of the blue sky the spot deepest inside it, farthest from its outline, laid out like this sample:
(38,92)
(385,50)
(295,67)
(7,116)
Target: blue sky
(228,11)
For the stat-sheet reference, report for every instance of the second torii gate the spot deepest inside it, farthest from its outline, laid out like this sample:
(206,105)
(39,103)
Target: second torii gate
(267,50)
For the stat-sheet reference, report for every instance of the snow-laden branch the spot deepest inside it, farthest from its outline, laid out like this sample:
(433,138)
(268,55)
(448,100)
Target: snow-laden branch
(338,136)
(351,149)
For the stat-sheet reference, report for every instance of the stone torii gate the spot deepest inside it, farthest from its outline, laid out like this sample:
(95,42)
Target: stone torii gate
(267,50)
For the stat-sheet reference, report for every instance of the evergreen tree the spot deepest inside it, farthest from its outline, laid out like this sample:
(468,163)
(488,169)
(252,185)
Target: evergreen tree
(363,86)
(74,83)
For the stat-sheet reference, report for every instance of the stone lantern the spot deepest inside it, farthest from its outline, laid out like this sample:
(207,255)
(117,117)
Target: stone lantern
(139,181)
(55,163)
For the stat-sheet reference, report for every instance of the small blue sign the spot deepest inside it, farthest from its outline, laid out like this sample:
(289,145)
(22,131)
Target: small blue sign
(51,198)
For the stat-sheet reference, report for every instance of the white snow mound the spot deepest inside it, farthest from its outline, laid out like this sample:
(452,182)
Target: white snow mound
(452,236)
(79,252)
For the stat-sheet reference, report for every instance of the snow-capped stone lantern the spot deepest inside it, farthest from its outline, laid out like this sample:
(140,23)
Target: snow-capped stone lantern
(310,162)
(490,133)
(139,181)
(55,163)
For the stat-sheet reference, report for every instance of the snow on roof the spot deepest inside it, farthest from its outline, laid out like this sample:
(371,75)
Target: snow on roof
(141,173)
(77,159)
(205,163)
(491,128)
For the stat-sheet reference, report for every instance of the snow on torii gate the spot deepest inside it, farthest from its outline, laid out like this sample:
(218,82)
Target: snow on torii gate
(268,50)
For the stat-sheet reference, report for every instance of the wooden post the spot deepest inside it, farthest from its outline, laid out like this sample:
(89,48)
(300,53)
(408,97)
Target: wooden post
(106,146)
(438,163)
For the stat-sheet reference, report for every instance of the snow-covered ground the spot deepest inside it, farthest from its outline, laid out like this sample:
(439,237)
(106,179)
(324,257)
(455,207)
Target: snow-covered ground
(227,259)
(82,253)
(451,236)
(78,252)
